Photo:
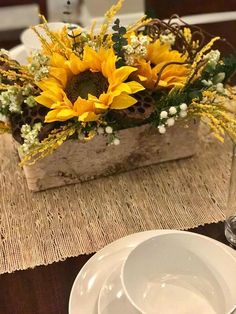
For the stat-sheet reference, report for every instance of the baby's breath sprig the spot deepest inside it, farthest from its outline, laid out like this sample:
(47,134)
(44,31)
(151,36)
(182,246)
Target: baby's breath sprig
(30,136)
(54,140)
(112,139)
(11,100)
(38,67)
(108,131)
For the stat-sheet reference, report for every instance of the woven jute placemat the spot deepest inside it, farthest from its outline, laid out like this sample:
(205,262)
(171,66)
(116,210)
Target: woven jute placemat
(45,227)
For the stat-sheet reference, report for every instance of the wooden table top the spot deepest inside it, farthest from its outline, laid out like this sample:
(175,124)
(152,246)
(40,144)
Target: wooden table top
(46,289)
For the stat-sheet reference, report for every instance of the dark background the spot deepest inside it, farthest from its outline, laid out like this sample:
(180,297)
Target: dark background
(164,9)
(159,8)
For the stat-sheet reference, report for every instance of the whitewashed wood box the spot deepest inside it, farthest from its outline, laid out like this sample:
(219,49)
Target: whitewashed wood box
(139,146)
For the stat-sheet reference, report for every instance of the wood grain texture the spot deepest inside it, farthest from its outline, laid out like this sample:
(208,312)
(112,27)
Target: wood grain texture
(141,146)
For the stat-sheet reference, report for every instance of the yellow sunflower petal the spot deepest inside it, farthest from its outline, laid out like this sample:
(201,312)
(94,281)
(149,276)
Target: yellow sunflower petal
(66,101)
(135,86)
(45,101)
(121,88)
(59,115)
(48,84)
(120,75)
(158,52)
(60,74)
(157,57)
(53,95)
(83,105)
(57,60)
(162,83)
(106,98)
(92,97)
(100,105)
(65,114)
(142,78)
(51,116)
(116,96)
(57,105)
(76,65)
(88,116)
(129,88)
(123,101)
(91,57)
(109,64)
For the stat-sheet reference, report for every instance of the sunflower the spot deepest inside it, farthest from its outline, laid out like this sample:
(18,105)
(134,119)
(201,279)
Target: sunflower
(157,62)
(85,88)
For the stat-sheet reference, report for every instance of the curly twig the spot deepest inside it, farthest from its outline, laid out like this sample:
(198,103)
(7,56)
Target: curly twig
(165,66)
(156,27)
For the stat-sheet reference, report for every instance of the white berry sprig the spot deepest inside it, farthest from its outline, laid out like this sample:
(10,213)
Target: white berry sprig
(168,118)
(109,132)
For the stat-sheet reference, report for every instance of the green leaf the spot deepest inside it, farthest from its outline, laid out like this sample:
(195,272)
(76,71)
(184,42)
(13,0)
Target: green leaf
(117,46)
(122,30)
(115,37)
(120,63)
(123,41)
(117,22)
(209,69)
(115,27)
(195,94)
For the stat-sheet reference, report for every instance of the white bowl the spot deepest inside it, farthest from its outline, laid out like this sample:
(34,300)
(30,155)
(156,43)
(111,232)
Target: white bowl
(180,273)
(19,54)
(31,41)
(112,298)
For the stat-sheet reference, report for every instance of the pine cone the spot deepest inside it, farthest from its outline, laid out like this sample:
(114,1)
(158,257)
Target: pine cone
(30,116)
(136,114)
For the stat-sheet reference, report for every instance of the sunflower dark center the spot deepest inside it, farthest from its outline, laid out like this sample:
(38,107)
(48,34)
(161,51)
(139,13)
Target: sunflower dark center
(85,83)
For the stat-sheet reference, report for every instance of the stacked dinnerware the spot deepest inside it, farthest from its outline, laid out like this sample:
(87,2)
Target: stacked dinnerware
(158,272)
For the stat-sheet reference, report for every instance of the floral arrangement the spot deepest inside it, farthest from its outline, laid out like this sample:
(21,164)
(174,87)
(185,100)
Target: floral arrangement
(83,83)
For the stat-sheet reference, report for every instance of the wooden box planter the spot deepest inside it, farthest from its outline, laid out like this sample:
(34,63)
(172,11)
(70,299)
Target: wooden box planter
(139,146)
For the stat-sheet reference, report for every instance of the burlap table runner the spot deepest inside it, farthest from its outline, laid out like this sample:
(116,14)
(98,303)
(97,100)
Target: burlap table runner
(41,228)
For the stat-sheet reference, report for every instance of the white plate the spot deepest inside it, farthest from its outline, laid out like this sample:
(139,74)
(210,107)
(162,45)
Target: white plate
(89,281)
(112,298)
